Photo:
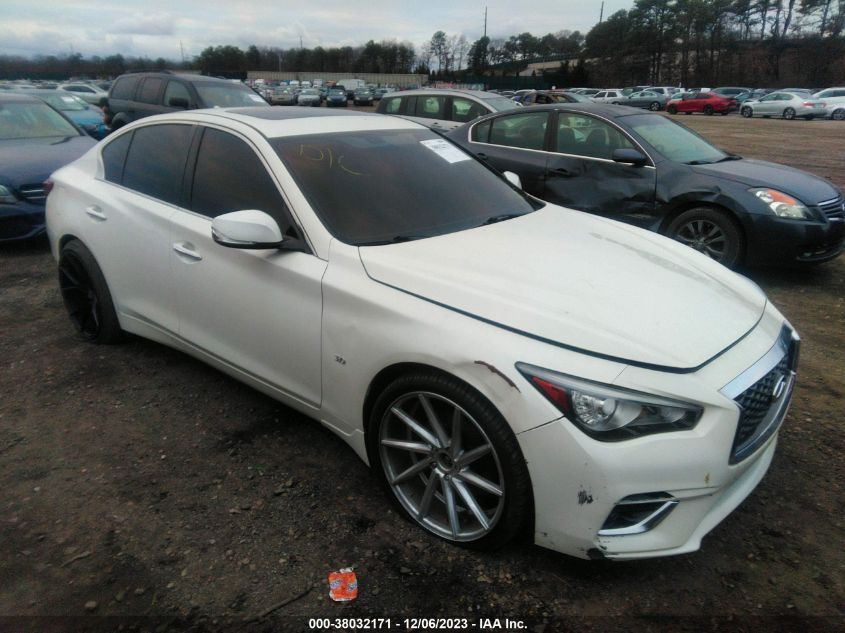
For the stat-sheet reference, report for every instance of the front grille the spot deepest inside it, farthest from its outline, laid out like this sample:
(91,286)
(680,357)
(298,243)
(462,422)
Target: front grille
(763,405)
(32,193)
(833,209)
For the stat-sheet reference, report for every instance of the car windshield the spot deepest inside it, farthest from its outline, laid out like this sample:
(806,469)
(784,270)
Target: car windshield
(499,104)
(337,92)
(377,187)
(672,140)
(32,120)
(223,95)
(310,91)
(64,102)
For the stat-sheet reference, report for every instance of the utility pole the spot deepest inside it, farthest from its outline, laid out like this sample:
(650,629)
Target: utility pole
(601,13)
(485,21)
(182,51)
(300,42)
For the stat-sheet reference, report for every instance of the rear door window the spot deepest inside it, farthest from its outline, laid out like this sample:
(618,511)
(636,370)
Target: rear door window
(156,161)
(393,105)
(527,131)
(114,157)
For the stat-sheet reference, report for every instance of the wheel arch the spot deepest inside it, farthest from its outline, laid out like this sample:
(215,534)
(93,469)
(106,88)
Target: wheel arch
(686,205)
(394,371)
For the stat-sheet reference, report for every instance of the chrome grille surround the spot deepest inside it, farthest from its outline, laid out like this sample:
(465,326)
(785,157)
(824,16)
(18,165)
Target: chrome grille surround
(833,209)
(762,394)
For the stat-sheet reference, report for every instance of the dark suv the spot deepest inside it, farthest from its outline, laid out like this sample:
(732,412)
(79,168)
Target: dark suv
(136,95)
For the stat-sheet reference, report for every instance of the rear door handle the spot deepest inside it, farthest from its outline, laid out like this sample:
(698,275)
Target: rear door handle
(187,249)
(481,155)
(561,172)
(96,212)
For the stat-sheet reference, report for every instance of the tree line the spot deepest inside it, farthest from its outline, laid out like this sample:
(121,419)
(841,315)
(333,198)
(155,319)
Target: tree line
(671,42)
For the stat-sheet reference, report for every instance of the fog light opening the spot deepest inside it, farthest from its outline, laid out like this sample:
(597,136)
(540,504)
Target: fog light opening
(636,514)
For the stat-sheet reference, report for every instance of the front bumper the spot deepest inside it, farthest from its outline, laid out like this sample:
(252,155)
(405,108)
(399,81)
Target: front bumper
(777,241)
(578,481)
(20,221)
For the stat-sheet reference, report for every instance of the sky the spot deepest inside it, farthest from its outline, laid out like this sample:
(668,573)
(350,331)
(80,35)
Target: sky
(155,28)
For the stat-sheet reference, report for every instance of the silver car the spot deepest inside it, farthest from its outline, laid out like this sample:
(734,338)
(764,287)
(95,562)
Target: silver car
(789,105)
(309,97)
(654,101)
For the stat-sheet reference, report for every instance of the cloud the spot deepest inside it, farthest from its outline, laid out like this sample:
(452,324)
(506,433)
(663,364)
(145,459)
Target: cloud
(140,24)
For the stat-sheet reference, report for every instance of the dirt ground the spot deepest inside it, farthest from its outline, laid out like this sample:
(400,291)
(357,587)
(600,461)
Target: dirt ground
(136,481)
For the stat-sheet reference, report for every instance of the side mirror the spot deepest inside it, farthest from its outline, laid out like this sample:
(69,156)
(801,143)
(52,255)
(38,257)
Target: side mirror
(629,157)
(251,229)
(513,179)
(178,102)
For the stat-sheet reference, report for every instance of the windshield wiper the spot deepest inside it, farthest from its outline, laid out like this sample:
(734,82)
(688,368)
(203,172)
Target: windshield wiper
(729,157)
(500,218)
(393,240)
(699,162)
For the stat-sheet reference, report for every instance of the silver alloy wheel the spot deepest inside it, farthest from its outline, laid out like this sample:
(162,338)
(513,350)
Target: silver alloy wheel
(705,237)
(442,466)
(789,114)
(654,107)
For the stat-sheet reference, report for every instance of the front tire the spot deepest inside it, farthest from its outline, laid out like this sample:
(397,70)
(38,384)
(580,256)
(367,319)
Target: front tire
(711,232)
(747,112)
(708,110)
(838,114)
(450,460)
(654,106)
(789,114)
(86,295)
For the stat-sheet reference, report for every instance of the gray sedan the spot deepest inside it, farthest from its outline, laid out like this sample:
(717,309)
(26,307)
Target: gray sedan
(788,105)
(309,97)
(649,99)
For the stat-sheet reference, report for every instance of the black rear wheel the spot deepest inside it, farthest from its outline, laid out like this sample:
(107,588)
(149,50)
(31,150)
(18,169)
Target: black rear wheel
(708,110)
(672,110)
(86,295)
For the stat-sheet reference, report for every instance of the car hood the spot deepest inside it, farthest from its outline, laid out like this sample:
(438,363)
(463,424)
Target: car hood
(580,282)
(28,161)
(806,187)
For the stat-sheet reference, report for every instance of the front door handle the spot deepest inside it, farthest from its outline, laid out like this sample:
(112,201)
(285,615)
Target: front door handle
(187,249)
(561,172)
(481,155)
(96,212)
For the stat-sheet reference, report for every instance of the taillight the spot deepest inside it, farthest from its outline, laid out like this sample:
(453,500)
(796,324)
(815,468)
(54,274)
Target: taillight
(48,187)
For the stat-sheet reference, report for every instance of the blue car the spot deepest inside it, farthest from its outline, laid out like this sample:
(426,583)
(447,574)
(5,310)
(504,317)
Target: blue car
(35,140)
(86,116)
(336,97)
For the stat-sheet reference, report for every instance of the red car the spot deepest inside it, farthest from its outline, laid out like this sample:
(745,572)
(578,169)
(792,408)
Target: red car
(706,102)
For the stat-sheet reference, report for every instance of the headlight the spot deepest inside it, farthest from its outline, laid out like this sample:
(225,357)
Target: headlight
(782,205)
(609,413)
(6,196)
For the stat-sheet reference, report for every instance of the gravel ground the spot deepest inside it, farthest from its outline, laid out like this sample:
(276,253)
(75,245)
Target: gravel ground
(136,482)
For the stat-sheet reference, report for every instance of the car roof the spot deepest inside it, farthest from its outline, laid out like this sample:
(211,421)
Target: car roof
(453,92)
(280,122)
(19,97)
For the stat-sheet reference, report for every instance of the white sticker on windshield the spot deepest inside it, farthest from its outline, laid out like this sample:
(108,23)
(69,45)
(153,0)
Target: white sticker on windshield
(445,150)
(68,99)
(256,98)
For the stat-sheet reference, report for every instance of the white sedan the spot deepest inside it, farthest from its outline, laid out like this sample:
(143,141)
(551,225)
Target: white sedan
(506,365)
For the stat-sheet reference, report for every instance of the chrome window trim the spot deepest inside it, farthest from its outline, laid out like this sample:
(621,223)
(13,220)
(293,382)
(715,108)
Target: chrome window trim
(542,151)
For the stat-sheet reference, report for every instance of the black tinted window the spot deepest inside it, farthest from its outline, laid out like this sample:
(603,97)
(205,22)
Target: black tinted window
(124,88)
(395,185)
(156,161)
(176,90)
(229,176)
(149,90)
(114,157)
(481,132)
(527,130)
